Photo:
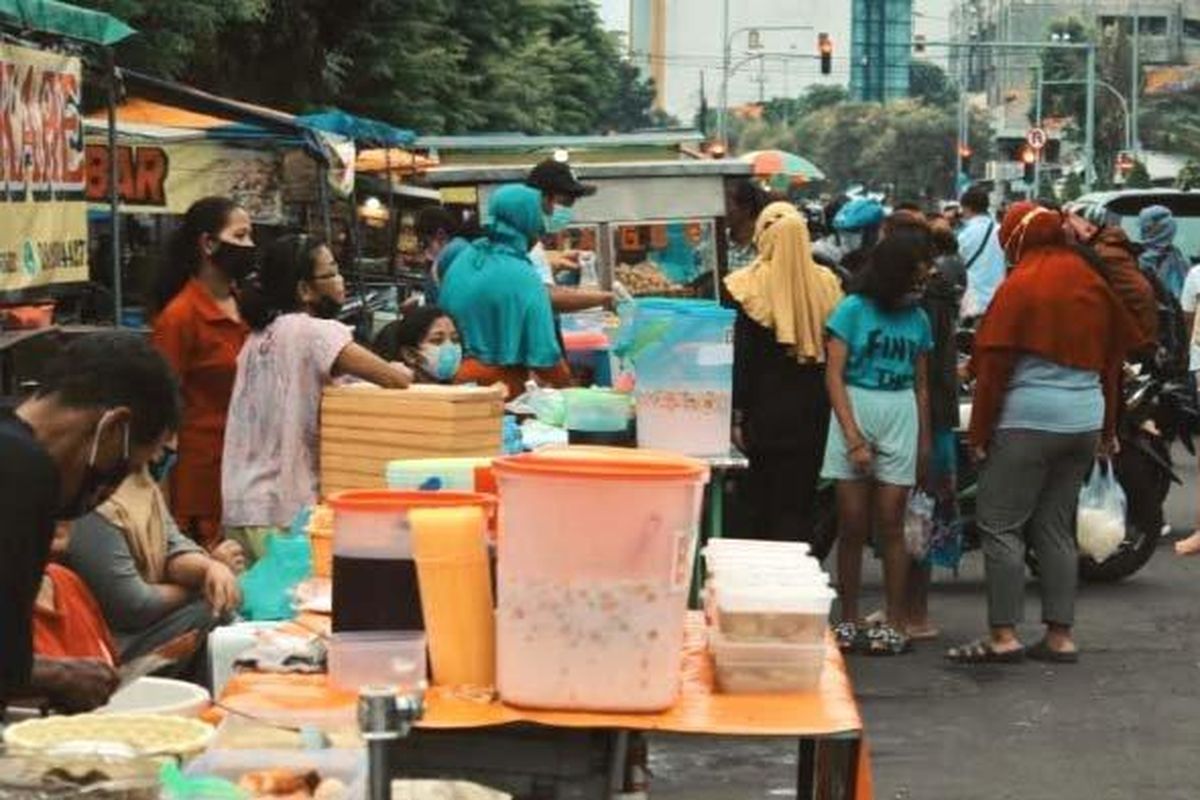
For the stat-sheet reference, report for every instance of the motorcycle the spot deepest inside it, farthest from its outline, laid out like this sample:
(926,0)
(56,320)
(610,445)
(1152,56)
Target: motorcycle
(1158,412)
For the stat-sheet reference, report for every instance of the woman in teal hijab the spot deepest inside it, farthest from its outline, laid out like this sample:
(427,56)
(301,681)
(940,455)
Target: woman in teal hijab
(498,301)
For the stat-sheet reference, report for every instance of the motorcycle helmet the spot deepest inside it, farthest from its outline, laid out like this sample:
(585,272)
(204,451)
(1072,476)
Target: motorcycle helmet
(859,214)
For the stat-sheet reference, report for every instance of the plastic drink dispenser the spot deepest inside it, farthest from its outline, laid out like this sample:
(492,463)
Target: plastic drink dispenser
(595,561)
(682,353)
(375,584)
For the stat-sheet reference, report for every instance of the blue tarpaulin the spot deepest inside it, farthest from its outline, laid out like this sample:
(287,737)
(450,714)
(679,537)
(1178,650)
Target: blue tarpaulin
(365,132)
(64,19)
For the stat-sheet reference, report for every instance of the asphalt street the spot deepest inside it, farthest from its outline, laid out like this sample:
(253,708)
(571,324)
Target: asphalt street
(1123,723)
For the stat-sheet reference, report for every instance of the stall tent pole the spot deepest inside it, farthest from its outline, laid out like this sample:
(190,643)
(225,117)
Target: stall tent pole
(392,229)
(114,189)
(323,199)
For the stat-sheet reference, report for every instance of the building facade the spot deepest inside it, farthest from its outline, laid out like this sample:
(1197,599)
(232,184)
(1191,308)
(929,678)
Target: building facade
(880,49)
(680,44)
(1168,38)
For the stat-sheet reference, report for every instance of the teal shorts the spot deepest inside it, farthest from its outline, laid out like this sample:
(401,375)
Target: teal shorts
(889,422)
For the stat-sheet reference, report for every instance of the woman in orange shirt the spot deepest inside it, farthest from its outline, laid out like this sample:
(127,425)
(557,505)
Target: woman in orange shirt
(199,330)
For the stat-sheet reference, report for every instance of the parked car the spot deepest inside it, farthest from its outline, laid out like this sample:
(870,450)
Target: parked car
(1125,205)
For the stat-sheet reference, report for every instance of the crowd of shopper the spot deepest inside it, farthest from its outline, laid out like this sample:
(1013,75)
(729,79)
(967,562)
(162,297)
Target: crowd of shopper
(170,463)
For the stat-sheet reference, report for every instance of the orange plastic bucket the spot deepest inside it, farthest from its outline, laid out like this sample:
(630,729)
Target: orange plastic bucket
(373,501)
(613,463)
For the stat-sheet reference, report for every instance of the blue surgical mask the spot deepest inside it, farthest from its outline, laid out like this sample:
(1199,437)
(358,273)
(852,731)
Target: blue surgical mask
(161,467)
(442,360)
(559,219)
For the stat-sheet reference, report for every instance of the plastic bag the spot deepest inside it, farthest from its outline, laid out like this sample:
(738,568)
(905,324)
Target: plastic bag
(1100,524)
(918,524)
(267,586)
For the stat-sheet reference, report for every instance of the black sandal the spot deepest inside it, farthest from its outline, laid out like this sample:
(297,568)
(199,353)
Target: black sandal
(884,640)
(1047,655)
(981,651)
(849,637)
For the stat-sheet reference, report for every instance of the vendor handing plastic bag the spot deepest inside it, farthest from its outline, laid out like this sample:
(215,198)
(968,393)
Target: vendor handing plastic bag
(1101,518)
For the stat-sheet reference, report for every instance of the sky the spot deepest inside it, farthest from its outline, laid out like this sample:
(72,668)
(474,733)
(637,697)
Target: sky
(700,44)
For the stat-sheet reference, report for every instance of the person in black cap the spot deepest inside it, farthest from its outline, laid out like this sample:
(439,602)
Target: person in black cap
(560,189)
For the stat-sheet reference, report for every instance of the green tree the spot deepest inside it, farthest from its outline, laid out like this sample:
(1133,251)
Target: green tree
(927,83)
(1189,176)
(1138,177)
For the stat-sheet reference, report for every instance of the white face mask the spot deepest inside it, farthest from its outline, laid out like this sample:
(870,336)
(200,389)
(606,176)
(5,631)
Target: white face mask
(560,218)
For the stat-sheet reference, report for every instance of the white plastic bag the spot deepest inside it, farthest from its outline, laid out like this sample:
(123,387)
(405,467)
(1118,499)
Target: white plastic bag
(1100,525)
(918,524)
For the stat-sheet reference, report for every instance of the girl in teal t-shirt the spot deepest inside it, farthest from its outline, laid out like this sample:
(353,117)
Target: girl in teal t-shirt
(879,438)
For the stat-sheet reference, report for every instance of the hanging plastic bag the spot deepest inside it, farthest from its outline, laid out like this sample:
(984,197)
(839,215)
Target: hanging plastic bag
(1100,524)
(918,524)
(267,586)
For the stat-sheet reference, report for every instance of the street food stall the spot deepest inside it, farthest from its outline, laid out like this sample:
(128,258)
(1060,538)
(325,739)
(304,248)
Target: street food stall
(657,227)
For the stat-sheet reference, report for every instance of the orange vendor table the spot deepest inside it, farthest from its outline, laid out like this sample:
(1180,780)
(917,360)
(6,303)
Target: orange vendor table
(833,761)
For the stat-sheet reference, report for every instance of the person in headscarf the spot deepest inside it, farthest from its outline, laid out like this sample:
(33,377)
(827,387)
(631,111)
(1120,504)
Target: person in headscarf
(1090,226)
(498,302)
(781,409)
(1161,257)
(1047,361)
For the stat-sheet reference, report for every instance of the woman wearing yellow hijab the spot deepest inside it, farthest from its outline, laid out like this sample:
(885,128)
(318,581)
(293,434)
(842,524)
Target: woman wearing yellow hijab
(781,408)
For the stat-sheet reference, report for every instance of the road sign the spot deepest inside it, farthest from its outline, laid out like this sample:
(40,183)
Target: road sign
(1037,138)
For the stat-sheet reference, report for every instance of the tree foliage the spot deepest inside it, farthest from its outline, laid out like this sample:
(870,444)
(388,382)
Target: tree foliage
(1138,177)
(928,83)
(439,66)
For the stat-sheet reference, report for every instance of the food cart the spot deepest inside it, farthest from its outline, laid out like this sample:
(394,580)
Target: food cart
(658,227)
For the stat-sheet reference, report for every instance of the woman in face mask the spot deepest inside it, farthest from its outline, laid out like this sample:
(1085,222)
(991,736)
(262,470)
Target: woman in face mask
(502,310)
(269,469)
(426,341)
(200,331)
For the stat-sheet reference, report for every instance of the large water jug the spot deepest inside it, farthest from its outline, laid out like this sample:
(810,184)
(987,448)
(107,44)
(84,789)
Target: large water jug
(683,357)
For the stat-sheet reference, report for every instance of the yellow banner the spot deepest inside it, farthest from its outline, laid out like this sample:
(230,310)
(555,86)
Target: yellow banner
(43,219)
(167,178)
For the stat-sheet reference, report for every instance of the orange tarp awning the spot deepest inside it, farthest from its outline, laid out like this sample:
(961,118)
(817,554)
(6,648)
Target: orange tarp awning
(396,159)
(138,111)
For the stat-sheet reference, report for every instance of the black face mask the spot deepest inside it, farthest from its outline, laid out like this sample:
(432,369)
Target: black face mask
(97,484)
(325,307)
(235,260)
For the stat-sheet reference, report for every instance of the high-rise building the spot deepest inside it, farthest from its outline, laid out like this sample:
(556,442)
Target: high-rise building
(881,42)
(1168,42)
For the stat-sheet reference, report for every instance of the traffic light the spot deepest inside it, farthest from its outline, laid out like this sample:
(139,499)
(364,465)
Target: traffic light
(1029,158)
(825,48)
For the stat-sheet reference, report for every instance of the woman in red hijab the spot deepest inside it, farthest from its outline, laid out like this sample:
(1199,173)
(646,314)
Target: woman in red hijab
(1047,362)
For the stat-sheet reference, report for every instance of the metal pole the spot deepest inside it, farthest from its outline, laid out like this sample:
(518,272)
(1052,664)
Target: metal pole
(1089,174)
(1037,116)
(114,188)
(725,56)
(962,99)
(1135,86)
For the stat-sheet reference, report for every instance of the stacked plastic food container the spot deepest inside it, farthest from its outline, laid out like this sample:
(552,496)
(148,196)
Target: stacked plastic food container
(768,609)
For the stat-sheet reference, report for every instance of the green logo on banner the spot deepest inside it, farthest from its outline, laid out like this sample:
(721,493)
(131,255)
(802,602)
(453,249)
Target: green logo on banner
(30,259)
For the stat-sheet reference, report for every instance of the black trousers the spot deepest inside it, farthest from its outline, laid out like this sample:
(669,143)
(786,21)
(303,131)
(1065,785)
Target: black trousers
(782,484)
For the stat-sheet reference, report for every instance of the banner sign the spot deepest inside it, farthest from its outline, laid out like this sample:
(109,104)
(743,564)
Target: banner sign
(43,220)
(167,178)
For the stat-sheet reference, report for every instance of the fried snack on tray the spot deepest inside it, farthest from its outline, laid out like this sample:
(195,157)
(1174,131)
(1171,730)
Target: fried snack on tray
(287,784)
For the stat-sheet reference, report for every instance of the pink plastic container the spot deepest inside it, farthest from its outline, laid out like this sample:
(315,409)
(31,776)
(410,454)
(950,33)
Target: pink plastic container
(594,565)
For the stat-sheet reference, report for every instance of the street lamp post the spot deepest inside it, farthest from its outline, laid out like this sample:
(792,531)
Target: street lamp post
(727,56)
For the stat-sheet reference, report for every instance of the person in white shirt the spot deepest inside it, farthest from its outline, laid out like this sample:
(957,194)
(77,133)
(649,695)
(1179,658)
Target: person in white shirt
(979,246)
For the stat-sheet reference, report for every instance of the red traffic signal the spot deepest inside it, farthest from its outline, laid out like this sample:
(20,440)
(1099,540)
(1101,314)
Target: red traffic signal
(825,49)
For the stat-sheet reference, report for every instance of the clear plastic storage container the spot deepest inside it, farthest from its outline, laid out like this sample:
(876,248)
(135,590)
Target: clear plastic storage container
(347,767)
(435,474)
(773,613)
(766,668)
(392,658)
(594,568)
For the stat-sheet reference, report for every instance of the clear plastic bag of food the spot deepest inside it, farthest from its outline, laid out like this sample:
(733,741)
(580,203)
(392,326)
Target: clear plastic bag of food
(918,524)
(1100,524)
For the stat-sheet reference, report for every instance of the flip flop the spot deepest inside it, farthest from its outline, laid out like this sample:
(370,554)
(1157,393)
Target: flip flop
(1047,655)
(884,640)
(981,651)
